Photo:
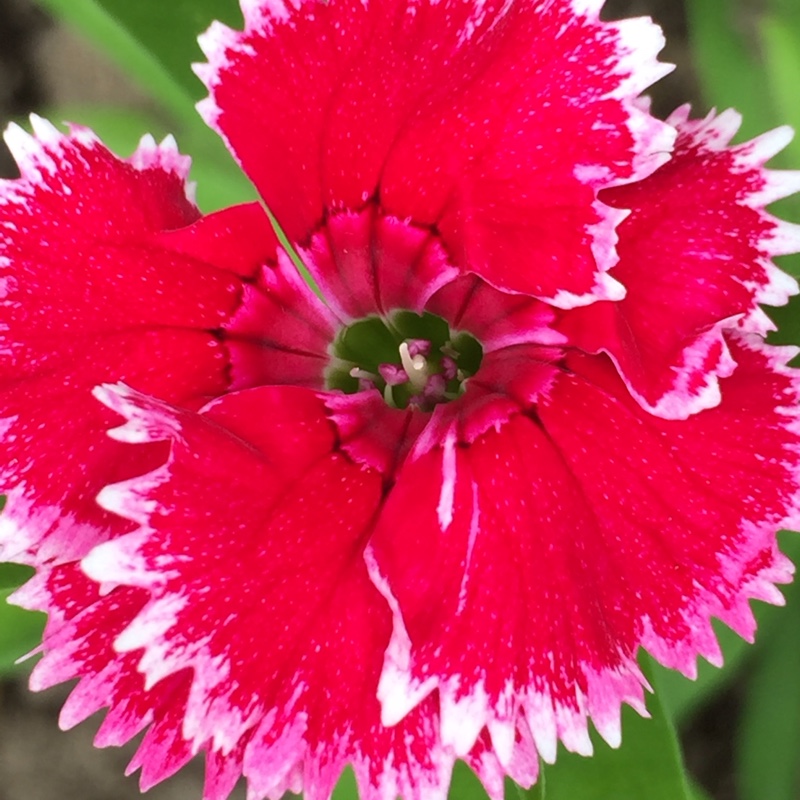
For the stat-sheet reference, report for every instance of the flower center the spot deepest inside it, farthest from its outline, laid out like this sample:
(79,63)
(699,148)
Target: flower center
(412,359)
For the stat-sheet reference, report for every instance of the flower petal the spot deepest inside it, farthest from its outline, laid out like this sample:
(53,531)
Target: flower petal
(509,379)
(368,263)
(522,766)
(452,114)
(580,530)
(694,258)
(78,643)
(281,332)
(494,318)
(107,272)
(264,595)
(371,432)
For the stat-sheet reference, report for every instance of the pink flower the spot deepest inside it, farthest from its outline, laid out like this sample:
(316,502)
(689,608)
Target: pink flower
(533,427)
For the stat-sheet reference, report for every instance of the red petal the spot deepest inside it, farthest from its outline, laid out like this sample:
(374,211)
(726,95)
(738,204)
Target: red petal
(55,452)
(495,319)
(695,259)
(107,273)
(451,114)
(509,379)
(238,239)
(522,767)
(264,594)
(78,643)
(371,432)
(281,332)
(560,543)
(368,263)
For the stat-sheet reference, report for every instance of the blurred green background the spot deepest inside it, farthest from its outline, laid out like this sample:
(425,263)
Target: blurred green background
(122,67)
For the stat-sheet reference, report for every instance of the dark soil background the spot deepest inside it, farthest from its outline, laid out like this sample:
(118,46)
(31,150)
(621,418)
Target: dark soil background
(43,65)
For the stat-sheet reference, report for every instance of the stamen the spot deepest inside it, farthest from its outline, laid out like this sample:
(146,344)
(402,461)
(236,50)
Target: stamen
(435,388)
(430,364)
(449,368)
(419,347)
(388,396)
(392,374)
(363,375)
(415,367)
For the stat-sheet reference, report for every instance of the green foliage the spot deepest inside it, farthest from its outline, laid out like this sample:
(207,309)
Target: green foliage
(13,575)
(647,765)
(769,737)
(736,45)
(121,46)
(20,630)
(748,57)
(727,56)
(169,31)
(781,52)
(155,43)
(346,789)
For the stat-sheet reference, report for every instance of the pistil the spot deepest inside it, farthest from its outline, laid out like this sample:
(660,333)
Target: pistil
(411,359)
(416,367)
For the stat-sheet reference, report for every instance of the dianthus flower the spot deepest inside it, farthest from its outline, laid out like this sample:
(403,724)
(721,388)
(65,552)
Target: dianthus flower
(532,427)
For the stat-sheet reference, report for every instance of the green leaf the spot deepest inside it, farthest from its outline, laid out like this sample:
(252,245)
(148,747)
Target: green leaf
(787,320)
(780,36)
(781,49)
(20,632)
(749,59)
(726,54)
(169,30)
(465,784)
(789,10)
(684,697)
(346,788)
(122,47)
(647,765)
(155,43)
(536,792)
(769,735)
(14,575)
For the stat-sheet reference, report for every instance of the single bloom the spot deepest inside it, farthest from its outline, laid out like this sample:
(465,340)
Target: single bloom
(524,424)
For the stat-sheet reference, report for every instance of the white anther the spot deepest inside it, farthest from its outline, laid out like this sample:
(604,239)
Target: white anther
(362,374)
(388,396)
(415,367)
